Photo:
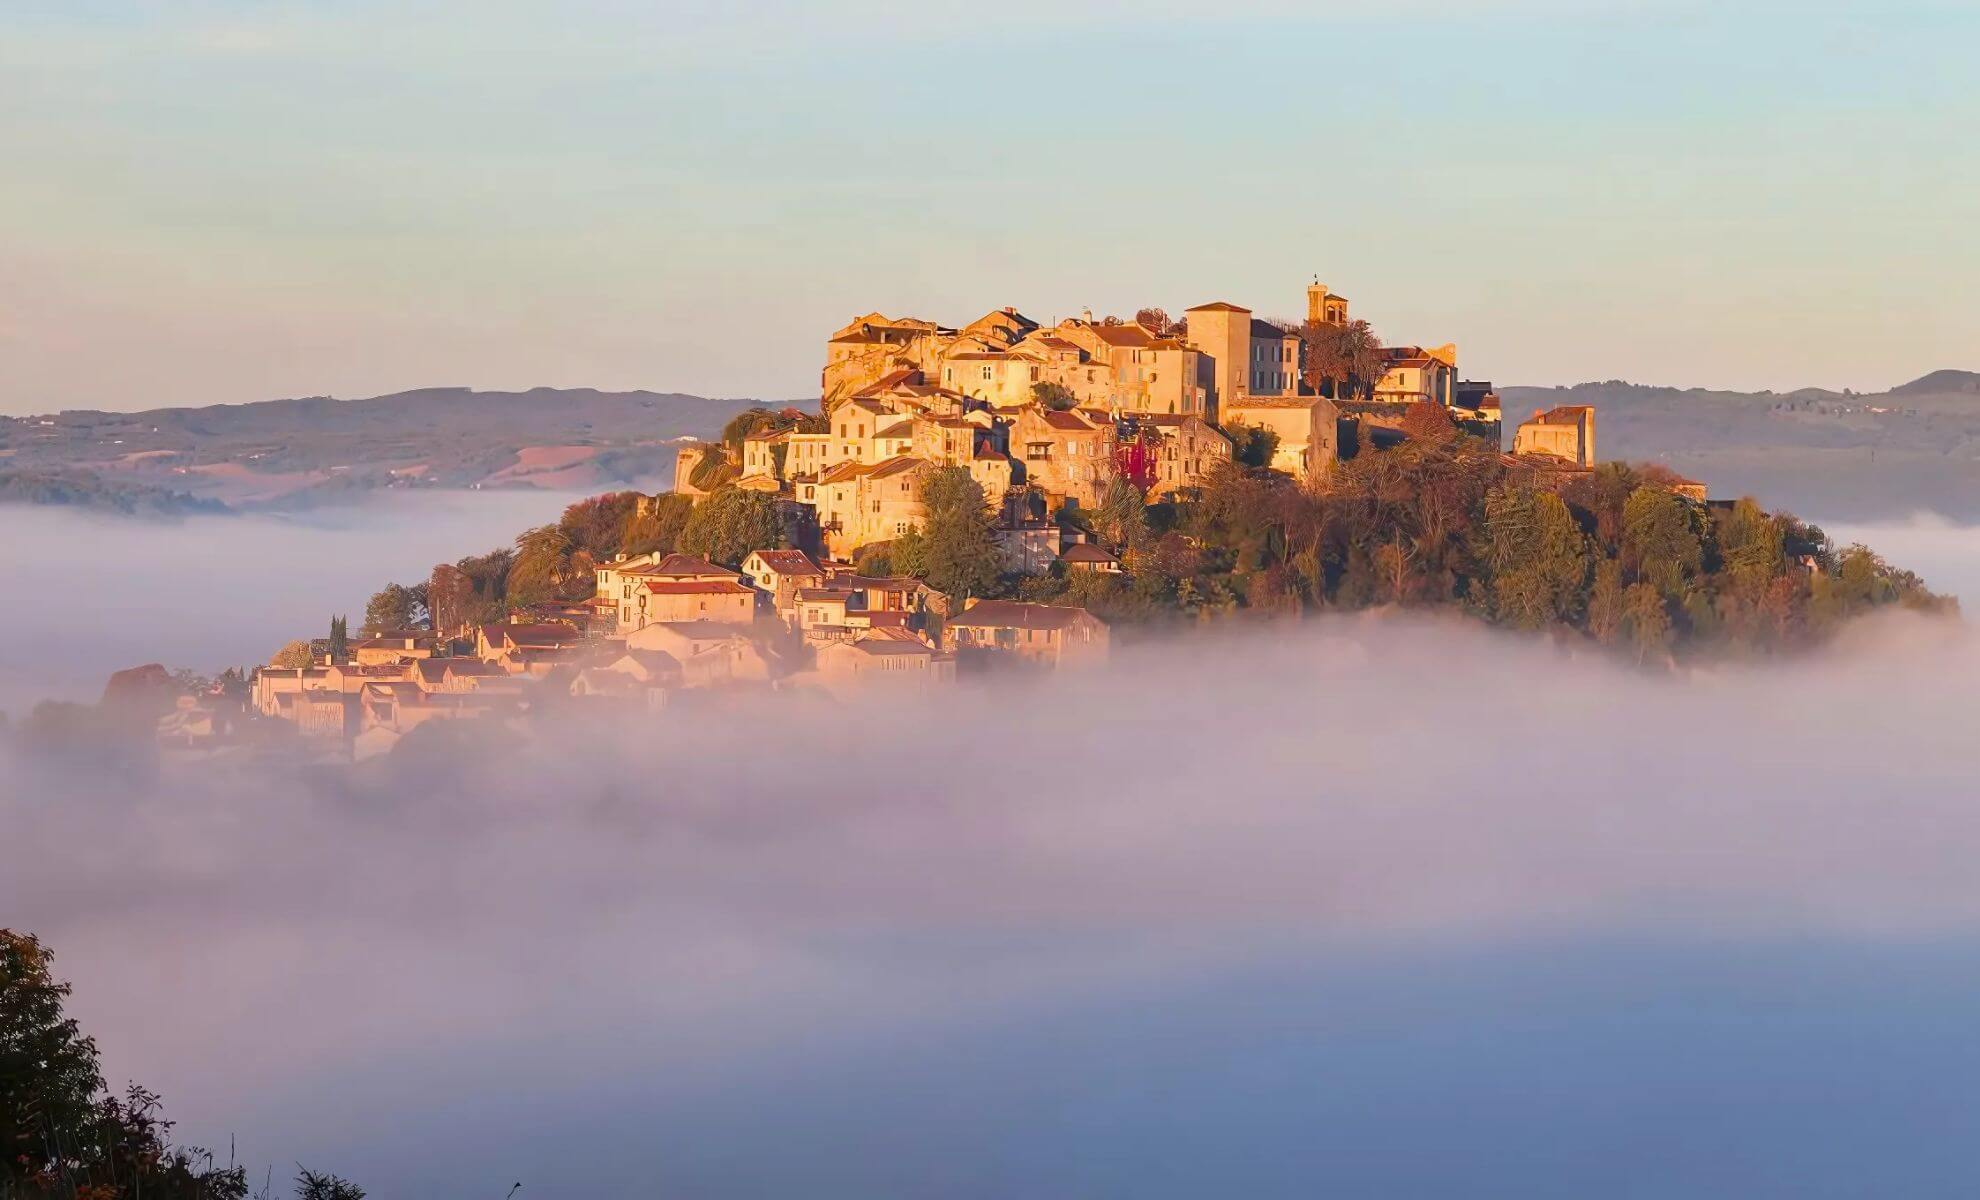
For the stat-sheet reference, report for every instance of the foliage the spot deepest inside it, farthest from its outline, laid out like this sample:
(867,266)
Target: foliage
(291,655)
(658,527)
(729,524)
(875,561)
(955,550)
(712,470)
(1252,445)
(1056,397)
(396,606)
(1342,361)
(340,639)
(1122,517)
(312,1186)
(1428,421)
(61,1135)
(541,569)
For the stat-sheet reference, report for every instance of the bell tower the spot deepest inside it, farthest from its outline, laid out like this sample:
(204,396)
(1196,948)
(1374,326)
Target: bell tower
(1316,302)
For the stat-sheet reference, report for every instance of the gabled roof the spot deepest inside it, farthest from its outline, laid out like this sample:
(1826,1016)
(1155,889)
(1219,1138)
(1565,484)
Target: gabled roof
(1121,335)
(697,587)
(1566,414)
(1080,552)
(787,562)
(1017,614)
(896,465)
(1218,306)
(1067,421)
(682,566)
(529,635)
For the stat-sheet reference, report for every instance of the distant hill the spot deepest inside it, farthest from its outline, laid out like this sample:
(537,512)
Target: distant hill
(319,449)
(1822,454)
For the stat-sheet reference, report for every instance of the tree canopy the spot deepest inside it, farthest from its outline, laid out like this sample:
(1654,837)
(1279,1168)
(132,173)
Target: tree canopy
(727,525)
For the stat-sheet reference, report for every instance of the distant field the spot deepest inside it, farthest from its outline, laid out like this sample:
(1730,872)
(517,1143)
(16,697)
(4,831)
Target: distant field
(1834,455)
(297,453)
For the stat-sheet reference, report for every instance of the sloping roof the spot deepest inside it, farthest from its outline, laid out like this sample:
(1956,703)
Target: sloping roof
(681,566)
(1566,414)
(1016,614)
(898,429)
(1066,421)
(1121,335)
(1265,329)
(842,472)
(1217,306)
(698,587)
(788,562)
(896,465)
(1088,552)
(529,635)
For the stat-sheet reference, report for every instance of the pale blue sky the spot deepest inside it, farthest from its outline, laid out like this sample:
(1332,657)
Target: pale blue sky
(206,201)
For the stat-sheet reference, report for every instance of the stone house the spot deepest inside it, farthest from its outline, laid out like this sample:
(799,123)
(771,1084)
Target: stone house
(1051,635)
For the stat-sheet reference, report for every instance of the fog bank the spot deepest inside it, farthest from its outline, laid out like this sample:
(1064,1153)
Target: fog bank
(87,594)
(1271,913)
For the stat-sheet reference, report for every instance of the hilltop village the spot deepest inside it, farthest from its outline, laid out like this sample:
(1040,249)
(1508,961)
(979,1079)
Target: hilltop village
(1010,496)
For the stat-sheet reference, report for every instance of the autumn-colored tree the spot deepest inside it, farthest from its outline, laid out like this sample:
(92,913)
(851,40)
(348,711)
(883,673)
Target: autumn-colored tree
(1429,421)
(291,655)
(1342,361)
(450,598)
(1154,320)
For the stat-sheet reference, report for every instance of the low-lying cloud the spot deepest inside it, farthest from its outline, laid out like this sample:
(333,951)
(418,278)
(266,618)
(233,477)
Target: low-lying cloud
(438,967)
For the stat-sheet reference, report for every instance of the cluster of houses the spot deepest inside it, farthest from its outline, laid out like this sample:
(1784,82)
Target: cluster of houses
(1041,417)
(668,628)
(1045,416)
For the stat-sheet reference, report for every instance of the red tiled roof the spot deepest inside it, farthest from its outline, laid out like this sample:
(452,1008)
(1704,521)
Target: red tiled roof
(788,562)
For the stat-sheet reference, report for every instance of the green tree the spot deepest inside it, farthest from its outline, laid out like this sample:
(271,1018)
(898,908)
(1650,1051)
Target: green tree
(657,525)
(957,550)
(1605,603)
(395,606)
(1660,540)
(1252,445)
(1648,620)
(598,525)
(340,639)
(541,566)
(61,1136)
(1054,396)
(726,526)
(1122,517)
(1538,556)
(48,1069)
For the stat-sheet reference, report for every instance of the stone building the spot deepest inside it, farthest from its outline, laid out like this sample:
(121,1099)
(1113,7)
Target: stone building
(1566,432)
